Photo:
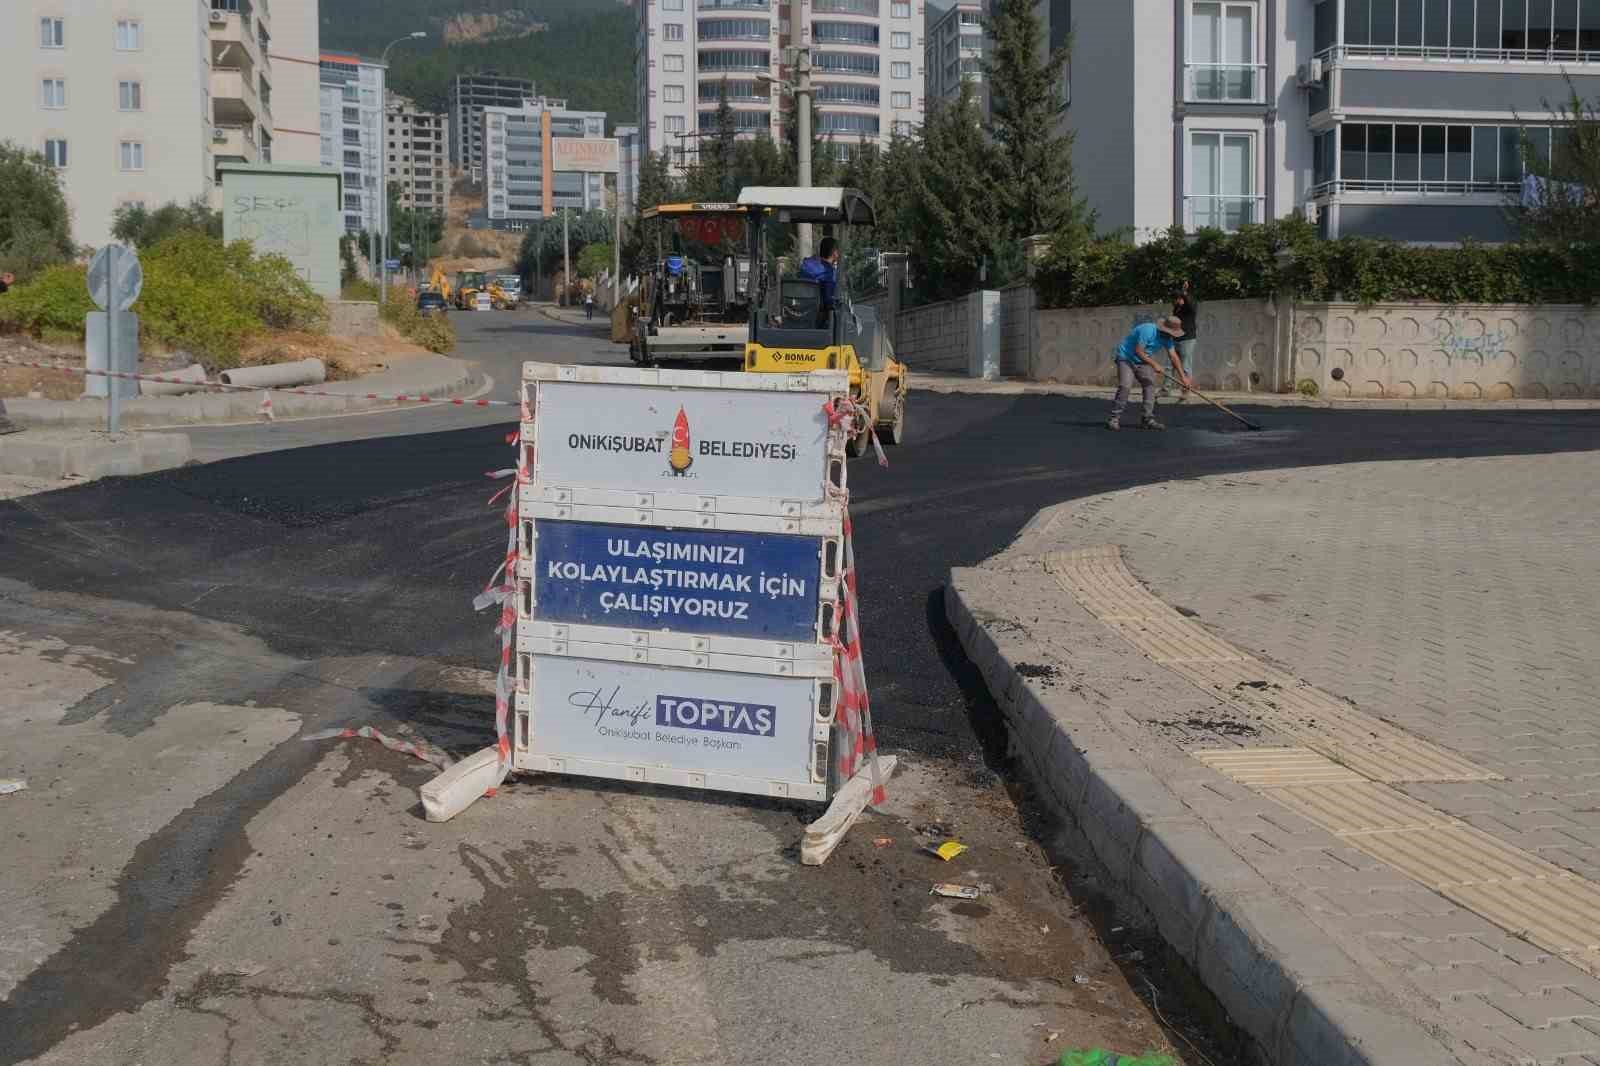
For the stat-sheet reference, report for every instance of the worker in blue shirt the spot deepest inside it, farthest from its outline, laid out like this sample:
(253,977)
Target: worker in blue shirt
(823,268)
(1135,359)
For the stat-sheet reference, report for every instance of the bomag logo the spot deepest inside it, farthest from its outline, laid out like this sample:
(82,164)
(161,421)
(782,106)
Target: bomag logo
(796,357)
(679,460)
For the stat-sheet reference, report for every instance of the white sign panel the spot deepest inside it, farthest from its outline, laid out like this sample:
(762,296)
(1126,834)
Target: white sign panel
(585,155)
(741,732)
(723,442)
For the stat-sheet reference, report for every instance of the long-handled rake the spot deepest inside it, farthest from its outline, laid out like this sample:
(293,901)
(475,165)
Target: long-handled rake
(1224,408)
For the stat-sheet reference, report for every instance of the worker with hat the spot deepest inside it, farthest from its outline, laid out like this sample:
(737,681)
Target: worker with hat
(1135,360)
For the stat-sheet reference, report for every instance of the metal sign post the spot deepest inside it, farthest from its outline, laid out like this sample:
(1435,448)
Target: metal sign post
(116,278)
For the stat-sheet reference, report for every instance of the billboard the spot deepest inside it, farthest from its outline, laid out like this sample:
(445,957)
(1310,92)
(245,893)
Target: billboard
(585,155)
(761,586)
(289,211)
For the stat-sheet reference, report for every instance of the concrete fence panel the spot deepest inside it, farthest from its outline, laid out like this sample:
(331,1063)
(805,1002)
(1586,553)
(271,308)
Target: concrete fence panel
(935,339)
(1441,351)
(1016,331)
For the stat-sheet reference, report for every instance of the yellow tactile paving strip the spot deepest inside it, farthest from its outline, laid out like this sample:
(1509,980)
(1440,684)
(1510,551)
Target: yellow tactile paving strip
(1340,780)
(1097,579)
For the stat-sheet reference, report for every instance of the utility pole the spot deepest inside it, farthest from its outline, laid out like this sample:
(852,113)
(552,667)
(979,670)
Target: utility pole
(802,111)
(381,265)
(616,246)
(566,255)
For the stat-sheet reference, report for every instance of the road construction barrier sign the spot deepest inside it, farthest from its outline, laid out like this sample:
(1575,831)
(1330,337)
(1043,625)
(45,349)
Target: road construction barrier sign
(678,577)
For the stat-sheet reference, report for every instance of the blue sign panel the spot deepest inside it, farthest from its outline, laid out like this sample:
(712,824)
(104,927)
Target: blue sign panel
(692,581)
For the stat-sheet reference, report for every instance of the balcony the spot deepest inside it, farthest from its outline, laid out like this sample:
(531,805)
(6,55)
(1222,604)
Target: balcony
(234,99)
(1225,83)
(733,5)
(235,29)
(234,144)
(1499,189)
(1221,211)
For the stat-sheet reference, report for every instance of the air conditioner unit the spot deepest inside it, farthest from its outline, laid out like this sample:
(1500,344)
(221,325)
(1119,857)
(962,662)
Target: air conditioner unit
(1309,75)
(219,17)
(218,133)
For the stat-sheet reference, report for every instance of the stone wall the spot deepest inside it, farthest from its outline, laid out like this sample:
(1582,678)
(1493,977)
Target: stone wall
(1470,352)
(935,339)
(1240,348)
(352,318)
(1016,330)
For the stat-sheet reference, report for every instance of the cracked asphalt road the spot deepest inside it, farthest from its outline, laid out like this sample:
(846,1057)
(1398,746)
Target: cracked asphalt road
(186,881)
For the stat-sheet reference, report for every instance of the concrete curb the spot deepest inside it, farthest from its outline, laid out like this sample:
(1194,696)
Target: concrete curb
(87,455)
(951,384)
(433,375)
(1282,979)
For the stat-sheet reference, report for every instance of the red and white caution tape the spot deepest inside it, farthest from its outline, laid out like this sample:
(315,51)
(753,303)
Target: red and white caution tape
(857,742)
(502,589)
(266,403)
(407,747)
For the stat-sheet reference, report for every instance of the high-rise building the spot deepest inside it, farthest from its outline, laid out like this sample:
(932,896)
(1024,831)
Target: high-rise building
(138,102)
(351,129)
(1385,118)
(956,49)
(521,185)
(866,56)
(469,95)
(418,151)
(628,168)
(293,48)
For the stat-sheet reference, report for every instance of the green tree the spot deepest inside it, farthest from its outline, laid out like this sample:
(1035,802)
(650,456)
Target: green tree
(594,260)
(1565,207)
(541,253)
(657,186)
(1034,175)
(713,178)
(35,225)
(143,228)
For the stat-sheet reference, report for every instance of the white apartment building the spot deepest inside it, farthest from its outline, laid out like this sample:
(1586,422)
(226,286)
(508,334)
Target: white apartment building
(956,49)
(419,155)
(521,185)
(351,126)
(293,47)
(628,167)
(1384,118)
(137,102)
(867,58)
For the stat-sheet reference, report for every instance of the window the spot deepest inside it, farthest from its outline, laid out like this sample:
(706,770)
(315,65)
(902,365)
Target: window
(846,122)
(132,155)
(53,93)
(52,33)
(352,159)
(900,71)
(673,94)
(352,201)
(846,7)
(672,64)
(130,96)
(844,92)
(900,9)
(859,33)
(672,5)
(55,153)
(675,123)
(352,116)
(672,31)
(900,100)
(734,29)
(1384,156)
(744,59)
(900,39)
(904,129)
(1222,52)
(1221,180)
(130,35)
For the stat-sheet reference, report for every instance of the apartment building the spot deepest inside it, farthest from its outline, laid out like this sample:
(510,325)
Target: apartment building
(351,129)
(521,185)
(1385,118)
(469,95)
(293,50)
(628,167)
(138,102)
(956,50)
(417,144)
(867,58)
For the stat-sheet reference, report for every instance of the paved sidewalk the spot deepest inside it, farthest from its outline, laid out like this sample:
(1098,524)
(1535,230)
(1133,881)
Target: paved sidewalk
(432,375)
(574,316)
(1457,600)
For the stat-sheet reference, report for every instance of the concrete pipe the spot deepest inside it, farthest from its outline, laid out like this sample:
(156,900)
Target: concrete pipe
(189,379)
(278,375)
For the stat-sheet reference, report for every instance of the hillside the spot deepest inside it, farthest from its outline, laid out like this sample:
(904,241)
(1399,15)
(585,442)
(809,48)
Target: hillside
(583,50)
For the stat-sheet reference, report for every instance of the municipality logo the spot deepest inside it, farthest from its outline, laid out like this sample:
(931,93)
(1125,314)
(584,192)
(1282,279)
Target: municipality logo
(679,459)
(716,716)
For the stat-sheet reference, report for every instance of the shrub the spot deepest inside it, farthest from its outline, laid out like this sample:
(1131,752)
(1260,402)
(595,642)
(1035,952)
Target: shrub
(55,301)
(1307,387)
(1287,256)
(433,332)
(360,290)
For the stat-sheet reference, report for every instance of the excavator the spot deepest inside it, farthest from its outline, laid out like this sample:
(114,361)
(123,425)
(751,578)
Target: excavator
(440,284)
(469,283)
(793,327)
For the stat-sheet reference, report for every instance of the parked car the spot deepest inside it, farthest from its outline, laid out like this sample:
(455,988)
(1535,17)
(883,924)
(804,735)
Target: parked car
(431,303)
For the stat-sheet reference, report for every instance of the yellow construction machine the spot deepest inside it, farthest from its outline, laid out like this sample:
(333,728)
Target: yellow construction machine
(440,284)
(469,283)
(798,325)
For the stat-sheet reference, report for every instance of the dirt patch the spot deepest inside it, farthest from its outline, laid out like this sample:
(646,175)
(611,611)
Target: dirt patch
(346,357)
